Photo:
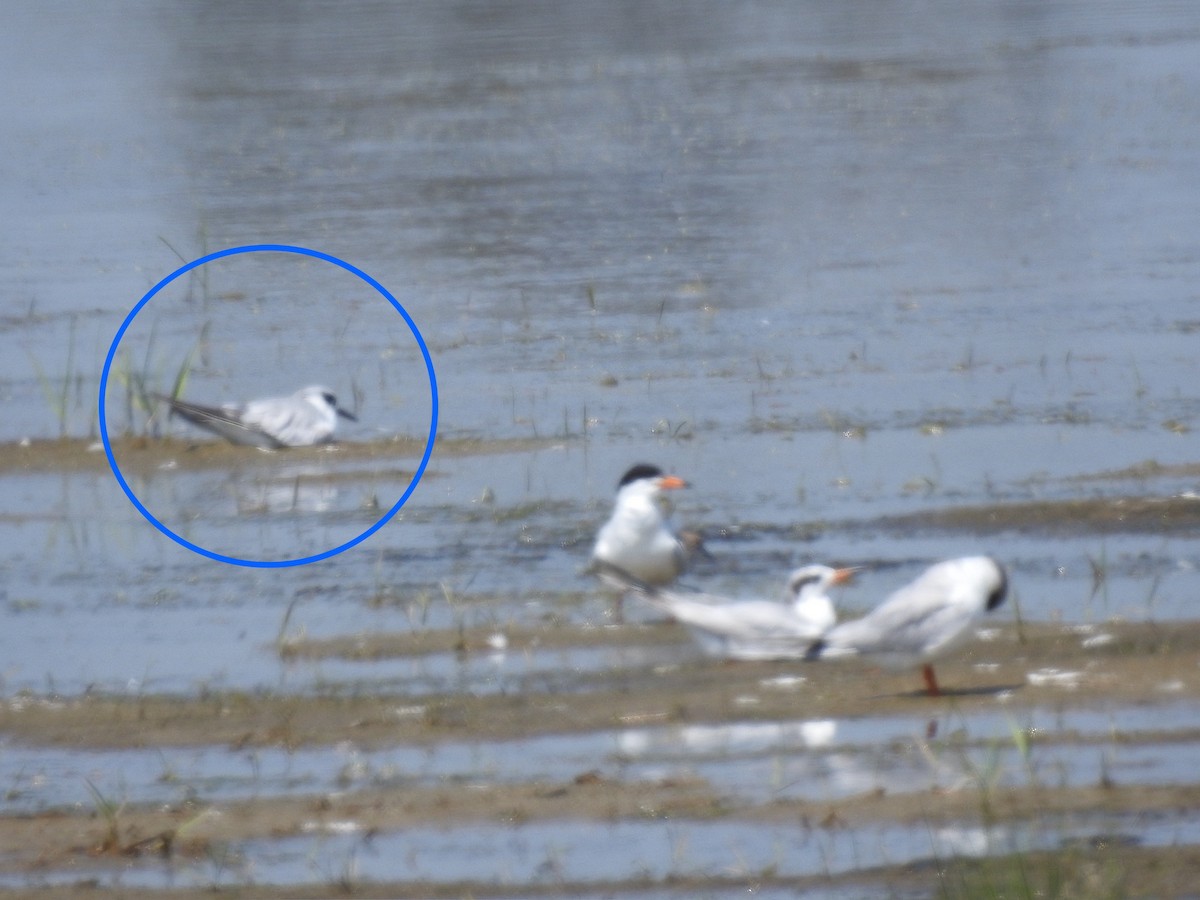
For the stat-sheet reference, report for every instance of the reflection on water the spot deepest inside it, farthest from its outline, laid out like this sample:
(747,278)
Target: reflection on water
(815,761)
(567,851)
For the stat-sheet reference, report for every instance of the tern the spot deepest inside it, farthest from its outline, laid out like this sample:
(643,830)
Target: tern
(307,417)
(923,620)
(637,538)
(757,629)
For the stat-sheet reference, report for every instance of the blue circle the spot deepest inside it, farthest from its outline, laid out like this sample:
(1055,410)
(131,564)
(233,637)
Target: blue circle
(258,563)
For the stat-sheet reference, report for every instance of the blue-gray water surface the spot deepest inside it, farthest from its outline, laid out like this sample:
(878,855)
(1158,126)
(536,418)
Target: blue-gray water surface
(827,261)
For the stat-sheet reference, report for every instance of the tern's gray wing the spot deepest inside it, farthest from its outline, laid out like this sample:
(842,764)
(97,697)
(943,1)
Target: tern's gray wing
(289,421)
(739,629)
(919,621)
(745,619)
(917,630)
(224,421)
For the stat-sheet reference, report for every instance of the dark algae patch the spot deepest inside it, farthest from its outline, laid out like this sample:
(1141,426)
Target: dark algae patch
(1057,517)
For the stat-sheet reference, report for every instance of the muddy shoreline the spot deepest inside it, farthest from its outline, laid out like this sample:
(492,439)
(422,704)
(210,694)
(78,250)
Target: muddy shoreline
(143,454)
(1134,513)
(1131,663)
(1015,667)
(1136,662)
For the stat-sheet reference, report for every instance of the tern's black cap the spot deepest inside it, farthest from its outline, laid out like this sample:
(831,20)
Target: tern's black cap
(638,472)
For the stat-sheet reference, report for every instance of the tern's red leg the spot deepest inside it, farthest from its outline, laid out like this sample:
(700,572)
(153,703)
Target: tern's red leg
(931,684)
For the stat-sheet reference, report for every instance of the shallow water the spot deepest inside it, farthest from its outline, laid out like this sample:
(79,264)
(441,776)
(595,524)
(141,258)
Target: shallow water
(829,265)
(566,852)
(746,762)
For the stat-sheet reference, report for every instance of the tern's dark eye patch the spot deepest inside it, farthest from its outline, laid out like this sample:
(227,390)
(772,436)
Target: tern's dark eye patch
(330,399)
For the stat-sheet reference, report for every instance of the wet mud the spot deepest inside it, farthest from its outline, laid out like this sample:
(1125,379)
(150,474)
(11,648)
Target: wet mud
(1108,515)
(1014,667)
(144,454)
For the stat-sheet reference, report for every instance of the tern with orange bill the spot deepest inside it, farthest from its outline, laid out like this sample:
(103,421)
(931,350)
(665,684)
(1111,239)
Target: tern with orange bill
(638,538)
(922,621)
(757,629)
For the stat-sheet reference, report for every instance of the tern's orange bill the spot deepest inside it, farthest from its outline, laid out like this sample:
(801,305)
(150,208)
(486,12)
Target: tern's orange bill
(841,576)
(672,481)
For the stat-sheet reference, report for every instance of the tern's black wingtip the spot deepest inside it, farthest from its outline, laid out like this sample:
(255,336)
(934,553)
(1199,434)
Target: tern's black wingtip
(1000,591)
